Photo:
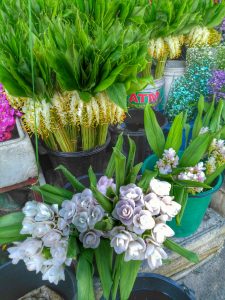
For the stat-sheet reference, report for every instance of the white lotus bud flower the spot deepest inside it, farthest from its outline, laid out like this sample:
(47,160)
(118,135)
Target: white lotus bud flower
(85,200)
(28,226)
(16,253)
(31,246)
(171,209)
(142,220)
(136,250)
(51,238)
(120,239)
(54,274)
(161,232)
(154,256)
(68,210)
(41,229)
(160,188)
(152,203)
(34,263)
(63,226)
(30,209)
(59,251)
(44,213)
(163,219)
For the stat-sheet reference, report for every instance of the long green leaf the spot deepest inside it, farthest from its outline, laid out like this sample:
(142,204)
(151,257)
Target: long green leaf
(111,165)
(131,156)
(198,121)
(174,139)
(11,219)
(210,179)
(49,197)
(73,248)
(117,93)
(153,132)
(189,255)
(102,200)
(195,151)
(92,177)
(57,191)
(104,256)
(79,187)
(84,277)
(120,164)
(128,275)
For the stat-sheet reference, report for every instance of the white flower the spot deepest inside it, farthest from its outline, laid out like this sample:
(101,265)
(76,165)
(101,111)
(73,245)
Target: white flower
(28,226)
(81,220)
(152,203)
(204,130)
(40,229)
(34,263)
(136,250)
(85,200)
(59,251)
(160,188)
(44,213)
(68,210)
(16,253)
(30,209)
(104,183)
(120,239)
(154,255)
(54,274)
(63,226)
(160,232)
(51,238)
(142,220)
(171,209)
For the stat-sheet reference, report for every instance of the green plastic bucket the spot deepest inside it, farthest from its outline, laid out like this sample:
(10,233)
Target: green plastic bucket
(196,205)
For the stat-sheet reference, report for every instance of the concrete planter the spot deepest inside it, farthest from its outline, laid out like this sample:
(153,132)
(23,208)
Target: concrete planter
(17,162)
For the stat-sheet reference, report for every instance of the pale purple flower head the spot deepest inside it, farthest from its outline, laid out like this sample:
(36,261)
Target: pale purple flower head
(124,211)
(132,192)
(105,183)
(90,239)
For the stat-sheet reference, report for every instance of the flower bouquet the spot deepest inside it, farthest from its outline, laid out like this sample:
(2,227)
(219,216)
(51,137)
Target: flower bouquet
(113,225)
(196,171)
(75,67)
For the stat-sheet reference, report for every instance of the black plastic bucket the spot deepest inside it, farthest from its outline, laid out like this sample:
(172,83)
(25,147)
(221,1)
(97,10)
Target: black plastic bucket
(79,162)
(158,287)
(133,127)
(16,281)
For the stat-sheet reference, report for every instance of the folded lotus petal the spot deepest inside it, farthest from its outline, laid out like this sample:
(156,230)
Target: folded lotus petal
(160,188)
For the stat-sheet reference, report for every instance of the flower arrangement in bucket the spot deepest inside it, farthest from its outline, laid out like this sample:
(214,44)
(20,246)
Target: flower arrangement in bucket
(7,117)
(194,173)
(114,225)
(85,60)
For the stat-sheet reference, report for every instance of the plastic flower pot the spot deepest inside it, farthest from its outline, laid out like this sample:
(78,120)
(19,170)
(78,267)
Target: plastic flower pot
(16,281)
(79,162)
(196,205)
(133,127)
(154,286)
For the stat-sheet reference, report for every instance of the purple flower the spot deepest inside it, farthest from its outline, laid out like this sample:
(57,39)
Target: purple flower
(90,239)
(124,211)
(217,84)
(104,184)
(132,192)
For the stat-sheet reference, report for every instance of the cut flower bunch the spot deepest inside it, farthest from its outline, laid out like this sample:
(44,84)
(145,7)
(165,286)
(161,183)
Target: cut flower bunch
(72,60)
(112,224)
(200,163)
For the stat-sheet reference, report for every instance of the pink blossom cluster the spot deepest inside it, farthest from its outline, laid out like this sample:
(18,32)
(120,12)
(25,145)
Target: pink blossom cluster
(7,117)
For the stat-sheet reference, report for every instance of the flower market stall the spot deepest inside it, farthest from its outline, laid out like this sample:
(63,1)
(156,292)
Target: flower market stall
(121,105)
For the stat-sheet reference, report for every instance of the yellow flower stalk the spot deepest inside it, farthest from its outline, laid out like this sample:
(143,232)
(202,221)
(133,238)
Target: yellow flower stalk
(67,119)
(202,36)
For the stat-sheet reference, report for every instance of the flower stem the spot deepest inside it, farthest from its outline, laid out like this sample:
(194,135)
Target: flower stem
(88,135)
(160,67)
(102,134)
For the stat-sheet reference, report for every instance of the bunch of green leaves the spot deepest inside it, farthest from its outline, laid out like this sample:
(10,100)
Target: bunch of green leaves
(212,13)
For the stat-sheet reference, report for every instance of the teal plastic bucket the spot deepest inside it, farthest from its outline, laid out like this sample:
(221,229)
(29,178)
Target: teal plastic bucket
(196,205)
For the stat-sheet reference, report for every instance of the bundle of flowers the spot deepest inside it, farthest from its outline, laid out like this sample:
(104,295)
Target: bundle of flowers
(7,117)
(122,221)
(217,84)
(203,159)
(82,56)
(203,37)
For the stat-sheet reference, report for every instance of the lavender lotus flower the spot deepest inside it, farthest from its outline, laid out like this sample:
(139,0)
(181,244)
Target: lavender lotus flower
(54,273)
(136,250)
(132,192)
(41,229)
(44,213)
(63,226)
(81,220)
(124,211)
(28,226)
(120,239)
(68,210)
(90,239)
(105,183)
(30,209)
(96,214)
(59,251)
(35,262)
(84,201)
(51,238)
(142,221)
